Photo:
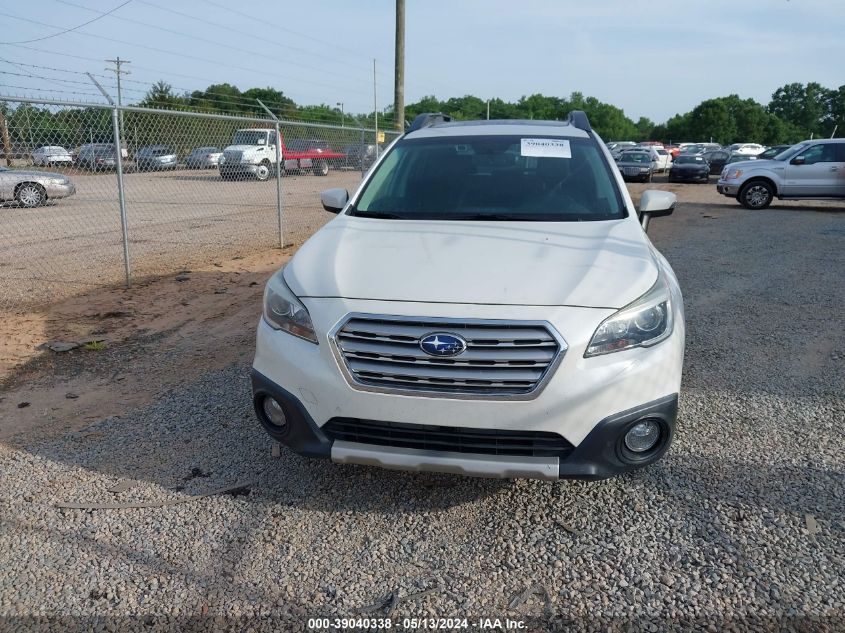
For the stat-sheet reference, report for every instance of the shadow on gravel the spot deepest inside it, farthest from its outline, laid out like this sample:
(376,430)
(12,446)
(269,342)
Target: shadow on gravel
(205,437)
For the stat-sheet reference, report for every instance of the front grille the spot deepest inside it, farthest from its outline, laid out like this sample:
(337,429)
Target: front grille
(632,171)
(501,358)
(448,438)
(233,156)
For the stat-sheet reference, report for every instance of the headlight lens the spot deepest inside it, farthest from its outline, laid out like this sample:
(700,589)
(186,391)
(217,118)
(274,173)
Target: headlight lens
(222,160)
(58,181)
(643,168)
(733,174)
(643,323)
(283,311)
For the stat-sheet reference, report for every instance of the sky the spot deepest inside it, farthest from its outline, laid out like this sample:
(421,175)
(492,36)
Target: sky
(652,58)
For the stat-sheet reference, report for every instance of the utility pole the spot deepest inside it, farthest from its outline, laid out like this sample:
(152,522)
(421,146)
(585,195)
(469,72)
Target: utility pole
(118,72)
(488,109)
(399,68)
(342,118)
(7,144)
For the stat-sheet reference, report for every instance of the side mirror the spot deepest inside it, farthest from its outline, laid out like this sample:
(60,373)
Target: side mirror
(334,200)
(656,204)
(798,160)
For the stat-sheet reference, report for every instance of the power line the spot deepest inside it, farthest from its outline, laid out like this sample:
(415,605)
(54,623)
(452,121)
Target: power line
(230,29)
(265,22)
(185,55)
(217,42)
(47,37)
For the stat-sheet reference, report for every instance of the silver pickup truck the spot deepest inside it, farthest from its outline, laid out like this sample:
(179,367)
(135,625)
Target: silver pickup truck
(808,170)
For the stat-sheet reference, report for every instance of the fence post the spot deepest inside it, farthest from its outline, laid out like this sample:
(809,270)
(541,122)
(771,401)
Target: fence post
(279,170)
(118,157)
(363,151)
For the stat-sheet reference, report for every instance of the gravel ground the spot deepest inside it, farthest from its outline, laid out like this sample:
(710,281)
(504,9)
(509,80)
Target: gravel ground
(741,526)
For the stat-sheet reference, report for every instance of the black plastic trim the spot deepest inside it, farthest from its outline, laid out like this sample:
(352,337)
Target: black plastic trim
(301,434)
(428,118)
(601,454)
(579,119)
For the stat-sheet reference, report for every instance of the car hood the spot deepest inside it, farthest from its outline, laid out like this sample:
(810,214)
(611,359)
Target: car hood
(33,173)
(593,264)
(243,148)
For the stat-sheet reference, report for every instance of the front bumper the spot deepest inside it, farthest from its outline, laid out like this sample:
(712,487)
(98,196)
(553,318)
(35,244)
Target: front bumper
(581,394)
(242,169)
(726,188)
(60,191)
(598,456)
(688,175)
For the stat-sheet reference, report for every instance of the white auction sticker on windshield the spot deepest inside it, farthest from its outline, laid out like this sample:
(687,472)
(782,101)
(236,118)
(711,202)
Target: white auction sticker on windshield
(545,148)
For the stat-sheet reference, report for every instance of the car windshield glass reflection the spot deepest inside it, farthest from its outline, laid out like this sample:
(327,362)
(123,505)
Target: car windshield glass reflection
(492,178)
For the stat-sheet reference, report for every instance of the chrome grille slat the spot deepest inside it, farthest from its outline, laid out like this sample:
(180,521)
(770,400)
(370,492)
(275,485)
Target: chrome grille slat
(469,332)
(487,353)
(502,358)
(445,372)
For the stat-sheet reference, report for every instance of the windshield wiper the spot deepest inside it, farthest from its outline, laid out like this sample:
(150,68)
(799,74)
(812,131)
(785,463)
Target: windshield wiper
(382,215)
(493,217)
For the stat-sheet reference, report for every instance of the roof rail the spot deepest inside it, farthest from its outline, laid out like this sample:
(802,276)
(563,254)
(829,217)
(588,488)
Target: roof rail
(579,119)
(428,118)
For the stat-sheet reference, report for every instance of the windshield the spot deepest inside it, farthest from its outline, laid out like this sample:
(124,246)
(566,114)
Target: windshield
(250,137)
(492,178)
(635,157)
(682,159)
(790,151)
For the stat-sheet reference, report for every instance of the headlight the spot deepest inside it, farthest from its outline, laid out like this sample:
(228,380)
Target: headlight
(283,311)
(643,323)
(733,174)
(222,160)
(57,181)
(643,168)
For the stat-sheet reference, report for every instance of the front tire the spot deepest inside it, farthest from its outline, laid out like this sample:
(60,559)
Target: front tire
(30,194)
(756,195)
(262,173)
(321,168)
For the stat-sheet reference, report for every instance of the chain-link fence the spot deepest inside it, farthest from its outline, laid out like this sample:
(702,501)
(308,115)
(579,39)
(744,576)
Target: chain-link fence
(183,189)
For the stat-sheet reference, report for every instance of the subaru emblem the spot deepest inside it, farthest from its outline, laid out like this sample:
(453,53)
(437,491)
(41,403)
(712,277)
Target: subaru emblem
(442,344)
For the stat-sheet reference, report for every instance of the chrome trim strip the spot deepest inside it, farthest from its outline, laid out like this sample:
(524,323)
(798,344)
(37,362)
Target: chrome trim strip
(472,464)
(428,393)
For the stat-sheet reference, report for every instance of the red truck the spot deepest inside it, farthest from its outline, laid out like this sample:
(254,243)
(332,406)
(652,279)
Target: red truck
(253,154)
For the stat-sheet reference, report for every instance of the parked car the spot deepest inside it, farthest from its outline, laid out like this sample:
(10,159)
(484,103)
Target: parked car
(699,148)
(96,156)
(664,159)
(810,170)
(749,149)
(360,155)
(772,152)
(636,164)
(717,159)
(620,146)
(414,332)
(155,157)
(32,188)
(51,155)
(203,158)
(737,158)
(689,167)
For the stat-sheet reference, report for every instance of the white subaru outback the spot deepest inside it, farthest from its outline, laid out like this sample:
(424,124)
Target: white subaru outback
(487,303)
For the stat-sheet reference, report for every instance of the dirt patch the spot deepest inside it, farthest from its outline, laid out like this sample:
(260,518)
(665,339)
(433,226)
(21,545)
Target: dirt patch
(151,337)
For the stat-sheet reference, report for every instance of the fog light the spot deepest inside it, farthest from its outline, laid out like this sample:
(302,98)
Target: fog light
(274,412)
(643,436)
